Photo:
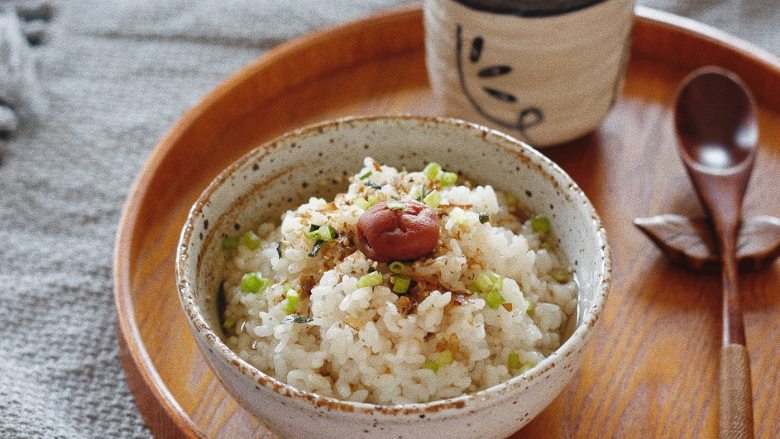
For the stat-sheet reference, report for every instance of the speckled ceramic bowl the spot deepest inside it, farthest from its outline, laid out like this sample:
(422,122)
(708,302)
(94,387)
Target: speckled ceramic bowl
(316,160)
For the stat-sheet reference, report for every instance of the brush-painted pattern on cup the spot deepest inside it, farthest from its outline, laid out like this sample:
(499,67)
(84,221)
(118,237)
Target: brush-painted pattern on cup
(545,71)
(527,117)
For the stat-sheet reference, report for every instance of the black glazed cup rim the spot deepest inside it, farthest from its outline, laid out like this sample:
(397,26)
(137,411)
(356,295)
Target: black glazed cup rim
(529,8)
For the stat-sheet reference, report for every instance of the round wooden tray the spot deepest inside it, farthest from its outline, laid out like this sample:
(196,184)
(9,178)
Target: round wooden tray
(652,369)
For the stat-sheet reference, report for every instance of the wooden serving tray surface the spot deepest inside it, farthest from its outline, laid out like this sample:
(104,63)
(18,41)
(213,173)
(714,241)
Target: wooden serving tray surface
(652,369)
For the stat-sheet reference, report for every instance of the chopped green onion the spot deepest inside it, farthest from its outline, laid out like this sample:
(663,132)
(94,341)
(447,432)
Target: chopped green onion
(483,217)
(460,217)
(365,175)
(494,299)
(448,179)
(487,281)
(483,282)
(513,362)
(540,225)
(366,203)
(531,308)
(445,357)
(287,287)
(373,185)
(291,301)
(430,364)
(416,193)
(395,205)
(230,243)
(315,249)
(401,284)
(321,233)
(522,367)
(327,233)
(561,275)
(397,267)
(525,367)
(254,283)
(371,269)
(362,203)
(314,232)
(498,284)
(432,170)
(545,245)
(250,240)
(432,200)
(370,280)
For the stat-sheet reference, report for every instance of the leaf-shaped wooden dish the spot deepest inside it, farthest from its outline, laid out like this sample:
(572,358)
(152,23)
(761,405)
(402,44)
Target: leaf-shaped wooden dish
(690,242)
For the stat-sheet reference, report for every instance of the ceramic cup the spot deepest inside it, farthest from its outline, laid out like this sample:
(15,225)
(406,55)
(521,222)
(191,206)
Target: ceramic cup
(544,71)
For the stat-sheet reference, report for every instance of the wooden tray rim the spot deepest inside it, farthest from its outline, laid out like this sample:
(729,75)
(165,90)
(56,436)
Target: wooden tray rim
(133,351)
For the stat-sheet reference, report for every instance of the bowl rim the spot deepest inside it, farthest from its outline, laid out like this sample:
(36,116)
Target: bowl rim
(577,340)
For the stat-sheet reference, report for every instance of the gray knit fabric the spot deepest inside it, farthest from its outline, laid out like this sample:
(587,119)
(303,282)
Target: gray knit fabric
(115,75)
(20,91)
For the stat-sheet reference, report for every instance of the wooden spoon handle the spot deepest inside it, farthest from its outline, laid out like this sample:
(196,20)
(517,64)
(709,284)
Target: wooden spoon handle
(736,400)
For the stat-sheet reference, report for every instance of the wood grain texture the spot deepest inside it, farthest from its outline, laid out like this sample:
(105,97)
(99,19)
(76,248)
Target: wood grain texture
(652,371)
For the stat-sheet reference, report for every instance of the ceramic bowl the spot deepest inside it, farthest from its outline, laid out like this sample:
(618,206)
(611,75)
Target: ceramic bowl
(316,160)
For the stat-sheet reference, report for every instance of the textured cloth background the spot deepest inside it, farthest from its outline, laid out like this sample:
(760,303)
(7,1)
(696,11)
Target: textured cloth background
(117,74)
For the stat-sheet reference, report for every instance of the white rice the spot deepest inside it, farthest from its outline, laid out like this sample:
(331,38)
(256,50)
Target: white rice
(358,344)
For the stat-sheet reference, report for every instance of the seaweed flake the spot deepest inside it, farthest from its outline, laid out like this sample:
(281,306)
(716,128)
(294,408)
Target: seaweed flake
(297,319)
(316,248)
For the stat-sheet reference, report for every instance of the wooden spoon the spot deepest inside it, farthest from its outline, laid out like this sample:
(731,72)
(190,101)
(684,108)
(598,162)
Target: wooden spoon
(716,127)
